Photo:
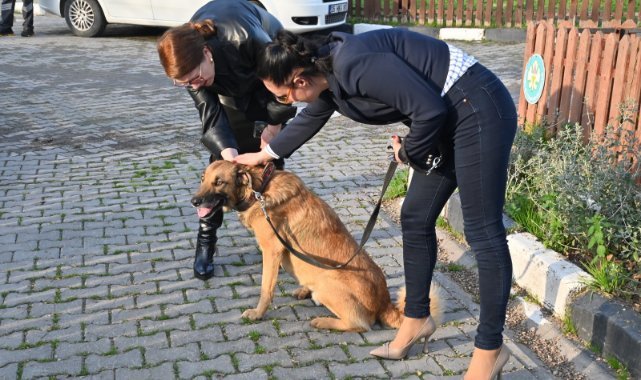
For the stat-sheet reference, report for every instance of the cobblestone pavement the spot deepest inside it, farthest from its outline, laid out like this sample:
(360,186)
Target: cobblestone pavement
(99,155)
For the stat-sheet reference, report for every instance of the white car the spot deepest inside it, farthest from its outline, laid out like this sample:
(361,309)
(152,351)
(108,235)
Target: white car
(88,18)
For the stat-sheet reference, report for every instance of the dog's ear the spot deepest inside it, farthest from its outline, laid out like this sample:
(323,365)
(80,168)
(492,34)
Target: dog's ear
(242,177)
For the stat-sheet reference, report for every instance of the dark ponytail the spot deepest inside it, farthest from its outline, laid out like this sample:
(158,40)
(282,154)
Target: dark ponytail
(288,52)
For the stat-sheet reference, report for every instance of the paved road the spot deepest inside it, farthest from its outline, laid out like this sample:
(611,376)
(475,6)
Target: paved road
(98,157)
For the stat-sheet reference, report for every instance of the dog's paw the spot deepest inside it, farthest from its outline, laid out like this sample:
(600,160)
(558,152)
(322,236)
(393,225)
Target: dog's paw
(302,293)
(252,314)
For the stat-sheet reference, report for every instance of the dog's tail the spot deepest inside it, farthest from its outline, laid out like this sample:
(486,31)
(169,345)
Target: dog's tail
(393,316)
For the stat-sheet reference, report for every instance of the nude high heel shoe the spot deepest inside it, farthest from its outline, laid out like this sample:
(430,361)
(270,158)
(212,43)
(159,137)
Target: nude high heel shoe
(501,359)
(386,352)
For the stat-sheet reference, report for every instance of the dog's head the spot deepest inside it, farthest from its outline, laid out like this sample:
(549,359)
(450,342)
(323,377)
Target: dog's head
(224,185)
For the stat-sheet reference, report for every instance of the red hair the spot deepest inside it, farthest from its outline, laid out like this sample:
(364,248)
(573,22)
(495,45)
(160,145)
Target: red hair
(180,49)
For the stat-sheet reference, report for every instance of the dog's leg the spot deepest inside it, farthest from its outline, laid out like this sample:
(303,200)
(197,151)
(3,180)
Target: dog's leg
(350,313)
(271,262)
(302,293)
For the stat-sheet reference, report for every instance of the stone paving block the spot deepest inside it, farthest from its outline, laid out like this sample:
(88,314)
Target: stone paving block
(209,319)
(94,318)
(135,289)
(270,343)
(189,309)
(459,346)
(303,355)
(69,334)
(15,312)
(169,275)
(163,371)
(316,371)
(66,350)
(248,291)
(136,268)
(213,349)
(220,365)
(309,312)
(157,299)
(121,279)
(257,374)
(158,340)
(68,367)
(422,366)
(368,369)
(263,328)
(454,364)
(226,304)
(13,299)
(9,371)
(190,352)
(17,356)
(293,327)
(11,341)
(324,338)
(172,286)
(111,331)
(180,338)
(96,363)
(99,269)
(108,304)
(248,362)
(46,283)
(40,309)
(169,262)
(14,286)
(180,323)
(151,312)
(11,325)
(195,295)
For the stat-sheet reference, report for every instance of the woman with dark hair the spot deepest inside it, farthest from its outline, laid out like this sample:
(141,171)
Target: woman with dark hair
(457,111)
(214,58)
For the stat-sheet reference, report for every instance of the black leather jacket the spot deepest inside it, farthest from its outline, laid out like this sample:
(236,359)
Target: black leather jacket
(242,30)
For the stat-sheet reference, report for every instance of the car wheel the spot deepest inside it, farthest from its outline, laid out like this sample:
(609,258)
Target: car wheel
(85,17)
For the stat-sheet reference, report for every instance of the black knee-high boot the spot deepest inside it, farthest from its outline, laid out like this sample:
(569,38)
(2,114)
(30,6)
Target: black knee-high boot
(206,245)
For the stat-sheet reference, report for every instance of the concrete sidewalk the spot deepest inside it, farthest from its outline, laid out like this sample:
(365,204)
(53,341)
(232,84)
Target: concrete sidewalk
(99,156)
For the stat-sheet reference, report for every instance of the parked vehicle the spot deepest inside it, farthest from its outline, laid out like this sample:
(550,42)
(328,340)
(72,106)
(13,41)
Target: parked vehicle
(88,18)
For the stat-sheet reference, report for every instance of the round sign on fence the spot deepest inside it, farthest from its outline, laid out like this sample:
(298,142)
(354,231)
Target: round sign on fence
(534,79)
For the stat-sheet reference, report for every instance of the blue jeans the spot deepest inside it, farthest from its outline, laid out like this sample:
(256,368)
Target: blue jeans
(475,143)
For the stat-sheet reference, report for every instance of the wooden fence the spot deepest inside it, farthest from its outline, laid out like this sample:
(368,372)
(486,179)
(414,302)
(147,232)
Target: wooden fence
(498,13)
(590,76)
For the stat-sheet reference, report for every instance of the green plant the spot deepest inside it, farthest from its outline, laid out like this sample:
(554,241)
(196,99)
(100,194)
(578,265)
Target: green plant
(581,199)
(618,367)
(568,325)
(398,185)
(597,240)
(607,276)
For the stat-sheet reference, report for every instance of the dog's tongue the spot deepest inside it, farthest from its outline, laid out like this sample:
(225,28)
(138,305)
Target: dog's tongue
(203,211)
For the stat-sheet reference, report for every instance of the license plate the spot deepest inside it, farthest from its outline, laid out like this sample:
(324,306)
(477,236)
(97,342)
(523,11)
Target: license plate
(337,8)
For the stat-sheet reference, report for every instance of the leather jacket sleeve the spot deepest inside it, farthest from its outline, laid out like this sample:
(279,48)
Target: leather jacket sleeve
(217,134)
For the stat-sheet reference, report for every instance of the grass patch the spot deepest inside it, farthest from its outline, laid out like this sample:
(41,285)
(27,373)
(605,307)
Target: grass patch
(398,185)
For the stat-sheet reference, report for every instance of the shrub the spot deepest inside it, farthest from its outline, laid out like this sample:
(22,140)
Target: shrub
(580,198)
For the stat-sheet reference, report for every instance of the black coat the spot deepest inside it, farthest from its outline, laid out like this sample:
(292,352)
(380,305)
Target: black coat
(242,30)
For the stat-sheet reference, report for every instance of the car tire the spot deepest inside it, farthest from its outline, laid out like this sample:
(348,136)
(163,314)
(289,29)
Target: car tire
(85,18)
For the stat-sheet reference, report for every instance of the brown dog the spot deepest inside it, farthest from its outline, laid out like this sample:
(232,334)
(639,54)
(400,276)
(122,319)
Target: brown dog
(356,294)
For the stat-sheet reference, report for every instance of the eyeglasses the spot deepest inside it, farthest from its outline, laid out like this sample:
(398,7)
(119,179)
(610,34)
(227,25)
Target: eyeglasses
(284,99)
(190,83)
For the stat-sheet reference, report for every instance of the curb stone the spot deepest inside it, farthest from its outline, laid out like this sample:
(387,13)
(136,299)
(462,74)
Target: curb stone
(555,282)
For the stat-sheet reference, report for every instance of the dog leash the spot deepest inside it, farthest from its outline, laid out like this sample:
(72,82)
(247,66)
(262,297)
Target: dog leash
(267,172)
